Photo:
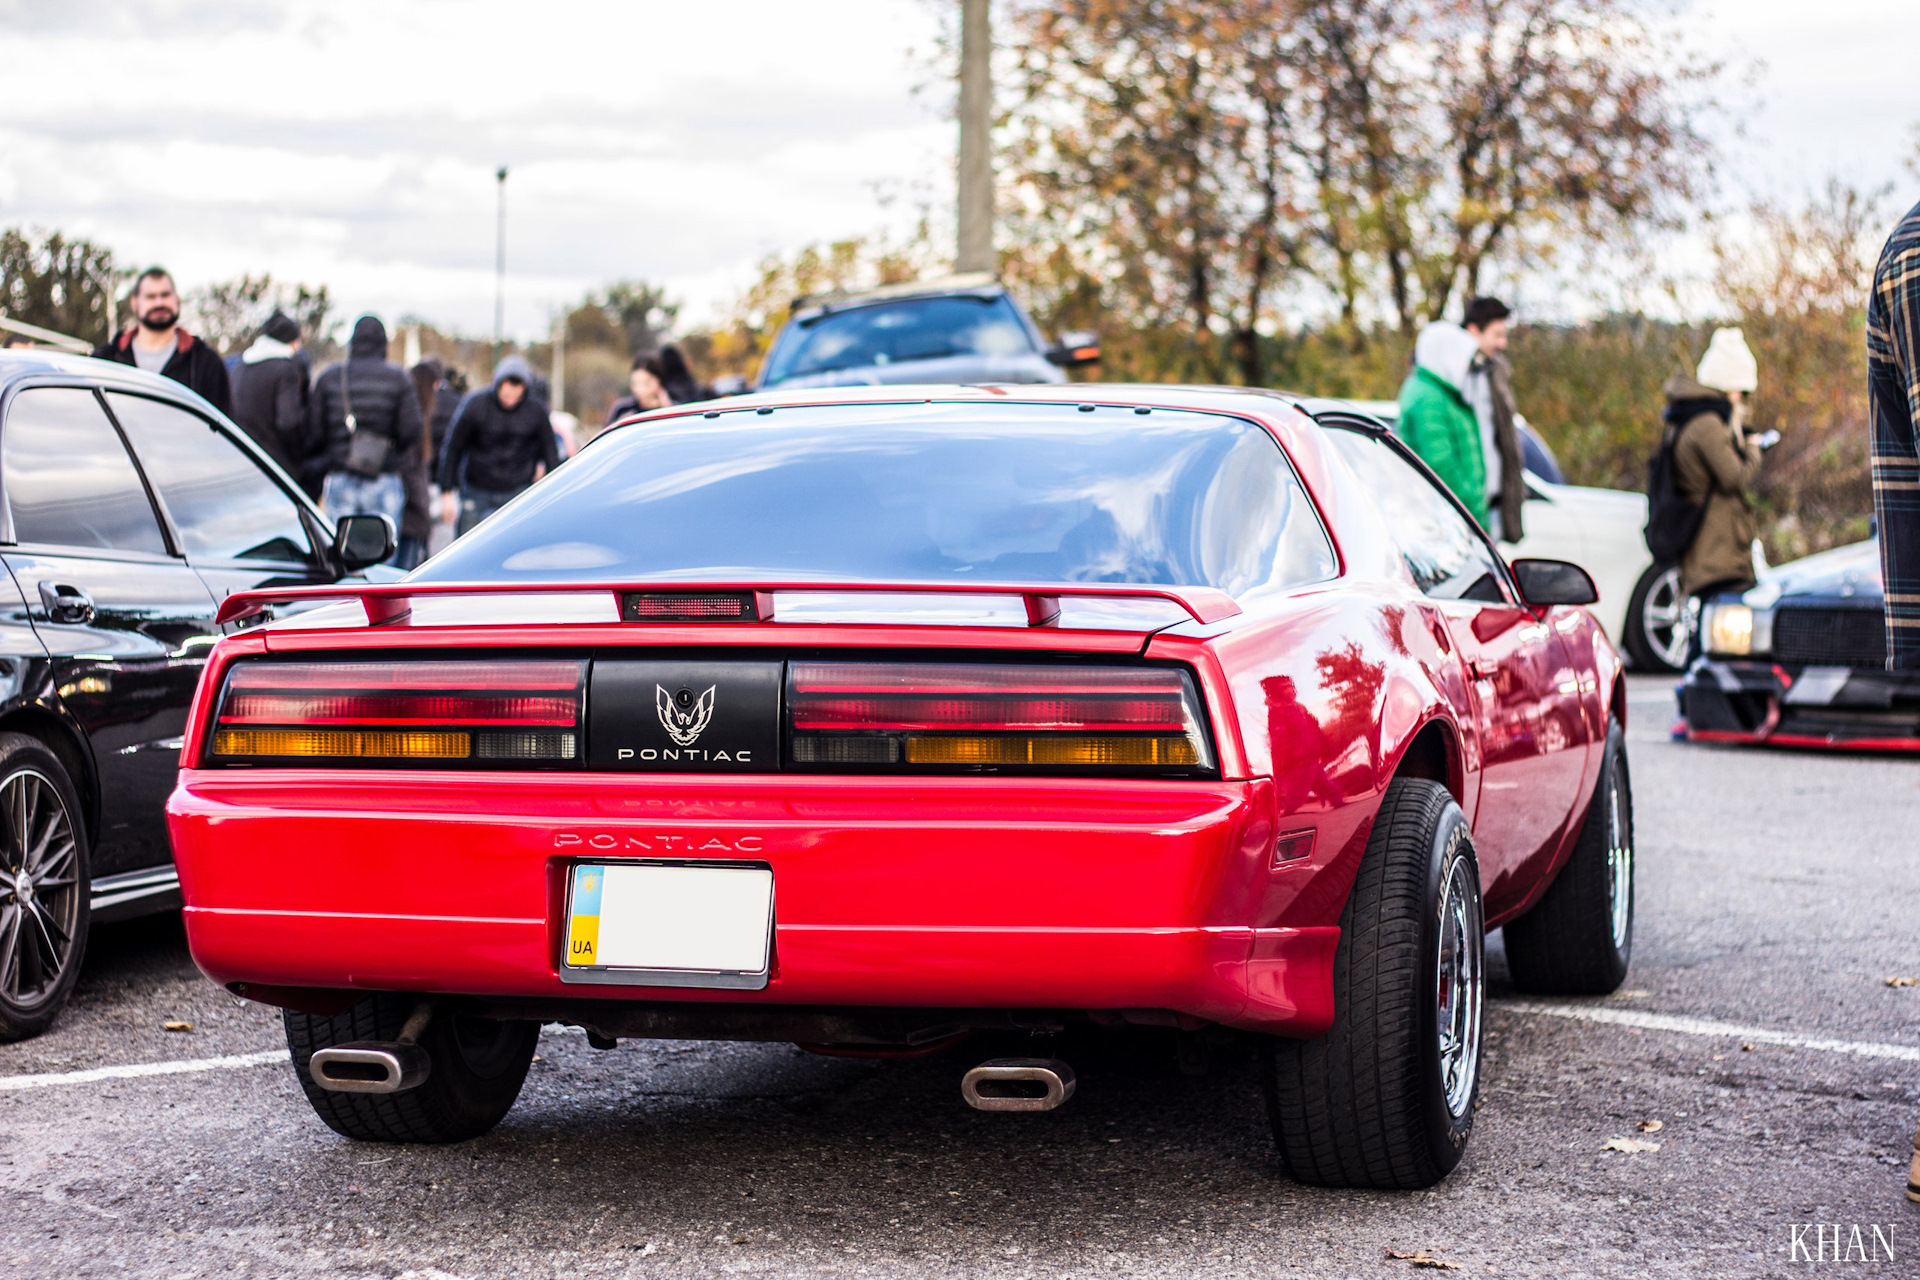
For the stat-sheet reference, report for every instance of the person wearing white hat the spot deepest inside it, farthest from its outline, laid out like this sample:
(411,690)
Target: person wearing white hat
(1715,459)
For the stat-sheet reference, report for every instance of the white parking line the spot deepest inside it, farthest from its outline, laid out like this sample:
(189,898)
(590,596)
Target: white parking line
(1674,1023)
(132,1071)
(1686,1026)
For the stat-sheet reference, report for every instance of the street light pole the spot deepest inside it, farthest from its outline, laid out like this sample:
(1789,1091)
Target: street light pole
(974,252)
(500,267)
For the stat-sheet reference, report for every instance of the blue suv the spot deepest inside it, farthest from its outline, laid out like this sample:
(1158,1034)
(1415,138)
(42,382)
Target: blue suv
(960,329)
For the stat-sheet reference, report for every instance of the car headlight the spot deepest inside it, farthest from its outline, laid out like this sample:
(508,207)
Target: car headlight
(1737,630)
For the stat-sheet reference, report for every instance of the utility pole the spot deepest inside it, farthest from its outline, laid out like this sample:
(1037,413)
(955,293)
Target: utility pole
(500,268)
(559,379)
(975,248)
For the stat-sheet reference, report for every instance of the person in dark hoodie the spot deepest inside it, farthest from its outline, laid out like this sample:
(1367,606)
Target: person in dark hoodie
(501,442)
(365,411)
(156,342)
(270,394)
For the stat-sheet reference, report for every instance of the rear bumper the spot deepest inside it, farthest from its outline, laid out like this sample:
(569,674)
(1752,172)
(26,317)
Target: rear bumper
(951,893)
(1725,700)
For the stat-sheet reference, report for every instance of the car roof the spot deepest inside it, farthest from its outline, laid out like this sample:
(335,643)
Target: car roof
(1278,410)
(973,284)
(37,364)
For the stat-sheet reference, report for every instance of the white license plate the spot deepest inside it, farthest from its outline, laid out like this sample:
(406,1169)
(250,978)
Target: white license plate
(669,924)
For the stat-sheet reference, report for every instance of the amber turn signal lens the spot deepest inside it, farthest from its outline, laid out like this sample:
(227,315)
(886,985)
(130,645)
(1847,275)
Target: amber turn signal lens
(1052,749)
(343,743)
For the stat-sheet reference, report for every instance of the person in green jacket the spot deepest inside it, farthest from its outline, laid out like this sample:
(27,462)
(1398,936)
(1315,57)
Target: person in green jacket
(1435,419)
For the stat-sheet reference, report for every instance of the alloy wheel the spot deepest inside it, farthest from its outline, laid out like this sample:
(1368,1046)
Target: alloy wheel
(39,888)
(1460,986)
(1619,864)
(1665,619)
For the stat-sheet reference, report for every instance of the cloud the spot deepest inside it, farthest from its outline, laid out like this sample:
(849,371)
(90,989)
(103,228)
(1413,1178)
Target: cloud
(137,18)
(354,142)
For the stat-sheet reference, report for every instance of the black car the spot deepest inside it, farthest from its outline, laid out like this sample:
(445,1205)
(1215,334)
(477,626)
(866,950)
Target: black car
(130,509)
(962,329)
(1800,660)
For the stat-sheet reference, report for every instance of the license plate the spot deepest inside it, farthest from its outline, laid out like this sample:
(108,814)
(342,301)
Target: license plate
(669,924)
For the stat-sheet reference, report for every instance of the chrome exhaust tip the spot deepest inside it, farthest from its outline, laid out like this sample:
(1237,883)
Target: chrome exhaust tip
(1018,1084)
(370,1066)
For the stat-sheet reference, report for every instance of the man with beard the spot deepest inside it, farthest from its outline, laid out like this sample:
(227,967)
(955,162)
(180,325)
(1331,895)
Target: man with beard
(156,342)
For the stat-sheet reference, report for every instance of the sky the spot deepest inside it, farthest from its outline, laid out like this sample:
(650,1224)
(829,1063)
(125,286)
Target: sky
(354,142)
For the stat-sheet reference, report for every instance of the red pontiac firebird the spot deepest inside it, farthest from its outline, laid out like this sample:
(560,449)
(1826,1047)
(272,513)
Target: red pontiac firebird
(871,719)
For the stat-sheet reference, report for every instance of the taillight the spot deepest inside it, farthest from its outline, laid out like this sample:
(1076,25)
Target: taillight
(480,713)
(953,717)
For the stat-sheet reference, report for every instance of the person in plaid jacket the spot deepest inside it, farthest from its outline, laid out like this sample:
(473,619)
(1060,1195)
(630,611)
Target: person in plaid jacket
(1893,385)
(1893,389)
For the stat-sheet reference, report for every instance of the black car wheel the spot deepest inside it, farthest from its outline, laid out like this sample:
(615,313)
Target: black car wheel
(1578,939)
(44,887)
(1658,627)
(1385,1100)
(477,1068)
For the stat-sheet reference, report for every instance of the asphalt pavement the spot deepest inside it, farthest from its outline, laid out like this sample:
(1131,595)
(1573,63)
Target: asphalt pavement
(1758,1043)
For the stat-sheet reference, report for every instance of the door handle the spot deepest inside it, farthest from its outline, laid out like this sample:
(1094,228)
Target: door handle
(1484,668)
(65,604)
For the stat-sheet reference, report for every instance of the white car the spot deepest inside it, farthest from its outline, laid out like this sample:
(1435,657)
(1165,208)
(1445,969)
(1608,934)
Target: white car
(1601,530)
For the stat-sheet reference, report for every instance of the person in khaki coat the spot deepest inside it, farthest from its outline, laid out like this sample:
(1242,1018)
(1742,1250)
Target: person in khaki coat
(1715,459)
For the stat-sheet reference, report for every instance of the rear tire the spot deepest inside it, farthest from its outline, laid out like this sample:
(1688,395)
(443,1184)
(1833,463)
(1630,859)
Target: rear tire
(1385,1100)
(478,1067)
(1657,623)
(46,887)
(1578,939)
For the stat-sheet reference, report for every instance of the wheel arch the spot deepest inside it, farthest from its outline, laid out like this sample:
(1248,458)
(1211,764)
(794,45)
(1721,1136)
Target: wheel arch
(1432,752)
(68,746)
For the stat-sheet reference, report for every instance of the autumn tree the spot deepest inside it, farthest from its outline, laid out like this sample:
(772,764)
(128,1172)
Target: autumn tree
(1219,165)
(746,328)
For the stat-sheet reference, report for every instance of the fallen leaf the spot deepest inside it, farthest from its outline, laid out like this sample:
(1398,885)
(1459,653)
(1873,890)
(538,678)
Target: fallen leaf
(1745,1047)
(1719,1057)
(1631,1146)
(1901,981)
(176,1026)
(1651,1126)
(1422,1258)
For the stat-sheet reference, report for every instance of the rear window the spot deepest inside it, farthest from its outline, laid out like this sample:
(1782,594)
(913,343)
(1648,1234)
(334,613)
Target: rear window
(1014,493)
(891,332)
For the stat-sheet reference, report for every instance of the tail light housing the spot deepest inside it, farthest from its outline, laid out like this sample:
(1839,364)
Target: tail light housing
(982,717)
(508,713)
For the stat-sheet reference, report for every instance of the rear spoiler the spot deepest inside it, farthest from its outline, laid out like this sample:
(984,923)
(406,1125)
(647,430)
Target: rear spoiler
(393,601)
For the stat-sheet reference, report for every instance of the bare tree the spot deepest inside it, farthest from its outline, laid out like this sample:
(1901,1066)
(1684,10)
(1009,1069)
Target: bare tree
(1207,159)
(57,283)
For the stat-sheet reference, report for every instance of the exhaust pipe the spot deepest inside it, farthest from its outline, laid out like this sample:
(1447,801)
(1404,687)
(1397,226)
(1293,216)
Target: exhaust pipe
(376,1066)
(370,1066)
(1018,1084)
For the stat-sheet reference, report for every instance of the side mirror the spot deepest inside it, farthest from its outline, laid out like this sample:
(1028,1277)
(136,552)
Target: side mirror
(1075,350)
(360,541)
(1550,582)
